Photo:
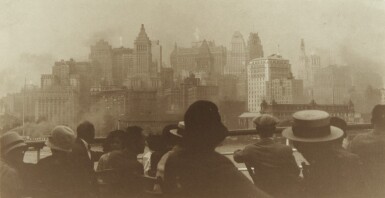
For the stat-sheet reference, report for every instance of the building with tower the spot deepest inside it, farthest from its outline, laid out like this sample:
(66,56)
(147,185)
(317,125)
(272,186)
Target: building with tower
(145,73)
(204,59)
(307,67)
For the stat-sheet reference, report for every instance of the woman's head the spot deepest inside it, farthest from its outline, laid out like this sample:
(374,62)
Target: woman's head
(114,141)
(156,142)
(203,127)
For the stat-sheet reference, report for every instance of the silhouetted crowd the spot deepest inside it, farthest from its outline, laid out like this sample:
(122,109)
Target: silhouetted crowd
(182,161)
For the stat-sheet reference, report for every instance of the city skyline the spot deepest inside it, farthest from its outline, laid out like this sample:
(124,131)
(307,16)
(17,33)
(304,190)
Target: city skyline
(48,39)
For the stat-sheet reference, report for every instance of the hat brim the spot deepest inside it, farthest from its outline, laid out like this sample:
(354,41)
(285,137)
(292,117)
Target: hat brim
(335,133)
(53,146)
(21,144)
(175,132)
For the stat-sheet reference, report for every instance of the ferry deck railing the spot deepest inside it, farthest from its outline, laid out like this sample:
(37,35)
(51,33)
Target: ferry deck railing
(352,130)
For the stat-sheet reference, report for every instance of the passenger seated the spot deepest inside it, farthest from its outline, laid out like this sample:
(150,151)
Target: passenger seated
(157,146)
(12,154)
(196,170)
(371,148)
(330,173)
(113,142)
(56,173)
(129,171)
(172,135)
(275,169)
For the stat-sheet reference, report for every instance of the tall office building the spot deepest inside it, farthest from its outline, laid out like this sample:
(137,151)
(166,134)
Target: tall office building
(144,74)
(237,55)
(270,79)
(101,58)
(254,46)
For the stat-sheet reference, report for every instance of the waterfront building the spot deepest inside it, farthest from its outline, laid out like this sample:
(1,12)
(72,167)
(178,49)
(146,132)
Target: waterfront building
(271,79)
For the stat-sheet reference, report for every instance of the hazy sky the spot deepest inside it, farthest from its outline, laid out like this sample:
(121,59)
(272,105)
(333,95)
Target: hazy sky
(33,34)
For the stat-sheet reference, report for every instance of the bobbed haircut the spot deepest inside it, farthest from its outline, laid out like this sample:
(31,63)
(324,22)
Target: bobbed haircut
(111,136)
(85,130)
(378,115)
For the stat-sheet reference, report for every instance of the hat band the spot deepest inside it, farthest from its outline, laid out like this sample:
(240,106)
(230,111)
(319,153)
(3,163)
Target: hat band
(311,132)
(5,147)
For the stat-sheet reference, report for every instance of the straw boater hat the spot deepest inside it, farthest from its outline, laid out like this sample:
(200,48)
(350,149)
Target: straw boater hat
(11,140)
(179,131)
(312,126)
(62,138)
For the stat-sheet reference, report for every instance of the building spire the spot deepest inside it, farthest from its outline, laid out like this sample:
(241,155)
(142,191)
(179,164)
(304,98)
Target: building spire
(302,45)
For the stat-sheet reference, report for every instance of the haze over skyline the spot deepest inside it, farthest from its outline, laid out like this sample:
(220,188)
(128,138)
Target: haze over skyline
(34,34)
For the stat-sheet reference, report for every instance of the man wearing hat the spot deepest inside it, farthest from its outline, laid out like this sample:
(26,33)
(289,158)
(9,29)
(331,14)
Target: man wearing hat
(371,148)
(330,173)
(196,169)
(12,154)
(55,173)
(276,171)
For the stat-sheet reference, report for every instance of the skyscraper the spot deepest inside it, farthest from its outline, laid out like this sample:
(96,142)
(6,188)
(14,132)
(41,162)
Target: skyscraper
(254,46)
(101,59)
(237,56)
(144,74)
(270,79)
(307,67)
(142,53)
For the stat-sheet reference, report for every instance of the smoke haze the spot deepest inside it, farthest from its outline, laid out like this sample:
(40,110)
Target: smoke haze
(54,30)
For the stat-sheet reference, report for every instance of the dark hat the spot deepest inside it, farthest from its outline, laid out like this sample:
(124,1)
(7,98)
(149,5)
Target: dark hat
(312,126)
(11,140)
(203,126)
(179,131)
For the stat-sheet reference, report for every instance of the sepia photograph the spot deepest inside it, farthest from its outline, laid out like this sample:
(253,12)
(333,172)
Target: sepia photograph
(192,98)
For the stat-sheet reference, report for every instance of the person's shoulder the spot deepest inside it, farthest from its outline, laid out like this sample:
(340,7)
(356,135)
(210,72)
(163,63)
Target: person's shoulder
(347,156)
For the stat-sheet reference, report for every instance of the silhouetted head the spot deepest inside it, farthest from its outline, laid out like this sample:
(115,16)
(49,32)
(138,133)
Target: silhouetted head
(12,148)
(86,131)
(156,142)
(265,125)
(341,124)
(378,116)
(134,139)
(170,139)
(114,141)
(203,127)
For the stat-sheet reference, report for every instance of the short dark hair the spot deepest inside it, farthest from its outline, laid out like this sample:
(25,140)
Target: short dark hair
(86,131)
(156,142)
(111,136)
(133,135)
(378,115)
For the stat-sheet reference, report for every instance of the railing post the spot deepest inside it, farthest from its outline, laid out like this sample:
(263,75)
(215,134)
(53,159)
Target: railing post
(38,154)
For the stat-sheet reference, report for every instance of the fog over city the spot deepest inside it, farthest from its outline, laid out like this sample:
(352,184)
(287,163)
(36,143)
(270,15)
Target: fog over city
(35,34)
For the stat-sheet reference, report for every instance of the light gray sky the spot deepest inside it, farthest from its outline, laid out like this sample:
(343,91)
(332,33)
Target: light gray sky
(33,34)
